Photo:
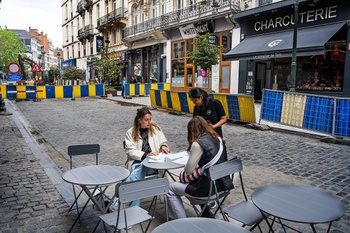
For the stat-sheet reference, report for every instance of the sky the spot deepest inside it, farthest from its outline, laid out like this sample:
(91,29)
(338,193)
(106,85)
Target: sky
(44,15)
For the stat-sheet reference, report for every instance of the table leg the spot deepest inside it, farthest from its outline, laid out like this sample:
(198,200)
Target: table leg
(100,205)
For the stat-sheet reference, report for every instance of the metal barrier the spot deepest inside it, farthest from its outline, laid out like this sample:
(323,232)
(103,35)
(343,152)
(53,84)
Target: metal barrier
(143,89)
(330,115)
(237,107)
(45,92)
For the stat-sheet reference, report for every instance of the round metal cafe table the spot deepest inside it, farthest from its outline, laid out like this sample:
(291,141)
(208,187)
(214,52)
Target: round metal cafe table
(199,225)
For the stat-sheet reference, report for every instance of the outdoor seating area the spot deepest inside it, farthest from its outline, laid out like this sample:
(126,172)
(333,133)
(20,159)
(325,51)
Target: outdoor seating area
(271,207)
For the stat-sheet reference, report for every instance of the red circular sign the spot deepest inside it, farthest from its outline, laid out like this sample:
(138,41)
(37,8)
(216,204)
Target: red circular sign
(13,68)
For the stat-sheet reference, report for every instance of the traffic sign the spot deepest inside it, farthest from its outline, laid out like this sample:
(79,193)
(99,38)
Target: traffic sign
(13,68)
(14,77)
(36,68)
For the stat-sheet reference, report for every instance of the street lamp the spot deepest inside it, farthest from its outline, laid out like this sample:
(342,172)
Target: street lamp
(107,42)
(293,72)
(59,64)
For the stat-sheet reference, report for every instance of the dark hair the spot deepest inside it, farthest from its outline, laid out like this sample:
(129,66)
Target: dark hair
(196,127)
(141,112)
(197,92)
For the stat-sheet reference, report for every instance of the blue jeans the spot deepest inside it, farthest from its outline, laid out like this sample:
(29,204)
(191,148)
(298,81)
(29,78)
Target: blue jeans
(137,172)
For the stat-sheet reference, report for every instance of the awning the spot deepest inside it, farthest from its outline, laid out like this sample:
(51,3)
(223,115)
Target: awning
(310,41)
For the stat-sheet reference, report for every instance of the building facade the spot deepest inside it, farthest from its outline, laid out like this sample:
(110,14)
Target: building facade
(265,48)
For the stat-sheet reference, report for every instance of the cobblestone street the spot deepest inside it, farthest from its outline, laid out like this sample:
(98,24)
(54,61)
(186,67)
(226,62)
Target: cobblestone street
(271,156)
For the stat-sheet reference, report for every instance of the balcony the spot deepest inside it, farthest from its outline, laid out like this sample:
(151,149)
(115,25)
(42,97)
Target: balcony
(86,33)
(200,11)
(89,4)
(81,7)
(112,18)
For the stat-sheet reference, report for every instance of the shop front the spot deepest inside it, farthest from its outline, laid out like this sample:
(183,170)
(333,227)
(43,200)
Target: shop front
(322,49)
(146,64)
(184,75)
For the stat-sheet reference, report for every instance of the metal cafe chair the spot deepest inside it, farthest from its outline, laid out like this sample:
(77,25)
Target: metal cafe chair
(76,150)
(244,211)
(131,191)
(216,172)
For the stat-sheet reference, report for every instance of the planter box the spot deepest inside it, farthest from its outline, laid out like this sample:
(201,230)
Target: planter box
(112,92)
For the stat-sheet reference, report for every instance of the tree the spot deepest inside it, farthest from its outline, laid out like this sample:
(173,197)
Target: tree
(71,72)
(10,47)
(109,68)
(205,54)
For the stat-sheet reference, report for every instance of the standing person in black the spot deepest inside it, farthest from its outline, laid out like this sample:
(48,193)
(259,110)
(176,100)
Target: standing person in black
(208,108)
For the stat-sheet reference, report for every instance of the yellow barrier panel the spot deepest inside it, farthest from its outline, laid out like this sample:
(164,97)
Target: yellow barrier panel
(132,89)
(142,89)
(3,91)
(164,99)
(152,97)
(175,100)
(293,108)
(167,86)
(22,94)
(76,92)
(41,95)
(92,90)
(246,109)
(59,94)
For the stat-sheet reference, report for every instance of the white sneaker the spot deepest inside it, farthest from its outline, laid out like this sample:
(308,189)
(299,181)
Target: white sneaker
(114,205)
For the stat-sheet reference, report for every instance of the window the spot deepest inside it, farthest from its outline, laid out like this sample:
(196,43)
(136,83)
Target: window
(135,14)
(163,7)
(154,8)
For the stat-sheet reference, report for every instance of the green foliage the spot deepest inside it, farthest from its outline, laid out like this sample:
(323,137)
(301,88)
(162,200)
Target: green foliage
(56,71)
(205,54)
(10,47)
(71,72)
(108,68)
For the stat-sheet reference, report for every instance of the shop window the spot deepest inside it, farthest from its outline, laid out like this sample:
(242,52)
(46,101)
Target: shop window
(178,49)
(177,73)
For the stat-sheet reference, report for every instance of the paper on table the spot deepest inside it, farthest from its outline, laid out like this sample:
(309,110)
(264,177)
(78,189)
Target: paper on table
(181,161)
(161,158)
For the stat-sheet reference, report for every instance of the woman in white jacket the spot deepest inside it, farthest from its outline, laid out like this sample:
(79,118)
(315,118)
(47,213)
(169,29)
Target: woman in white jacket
(144,139)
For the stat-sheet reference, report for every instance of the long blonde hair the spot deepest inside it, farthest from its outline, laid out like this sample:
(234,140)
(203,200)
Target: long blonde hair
(141,112)
(196,127)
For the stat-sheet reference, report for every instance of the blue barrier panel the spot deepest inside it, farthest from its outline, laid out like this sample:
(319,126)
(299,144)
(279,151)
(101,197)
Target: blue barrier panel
(271,107)
(99,89)
(84,90)
(169,100)
(158,98)
(233,107)
(33,94)
(160,86)
(50,92)
(137,89)
(318,114)
(127,89)
(147,88)
(67,91)
(183,102)
(342,118)
(11,92)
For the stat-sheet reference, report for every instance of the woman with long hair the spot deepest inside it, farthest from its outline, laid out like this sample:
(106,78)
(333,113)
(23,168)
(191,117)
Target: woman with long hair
(144,138)
(208,108)
(205,149)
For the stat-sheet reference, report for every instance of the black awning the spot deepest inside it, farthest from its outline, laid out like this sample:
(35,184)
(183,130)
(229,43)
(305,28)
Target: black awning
(310,41)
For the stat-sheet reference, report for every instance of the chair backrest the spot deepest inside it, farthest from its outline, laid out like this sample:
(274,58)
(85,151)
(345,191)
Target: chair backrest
(85,149)
(226,168)
(135,190)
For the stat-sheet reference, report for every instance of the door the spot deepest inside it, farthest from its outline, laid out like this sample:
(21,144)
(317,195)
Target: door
(260,80)
(189,78)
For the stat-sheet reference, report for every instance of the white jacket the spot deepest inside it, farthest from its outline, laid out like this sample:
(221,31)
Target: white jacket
(134,149)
